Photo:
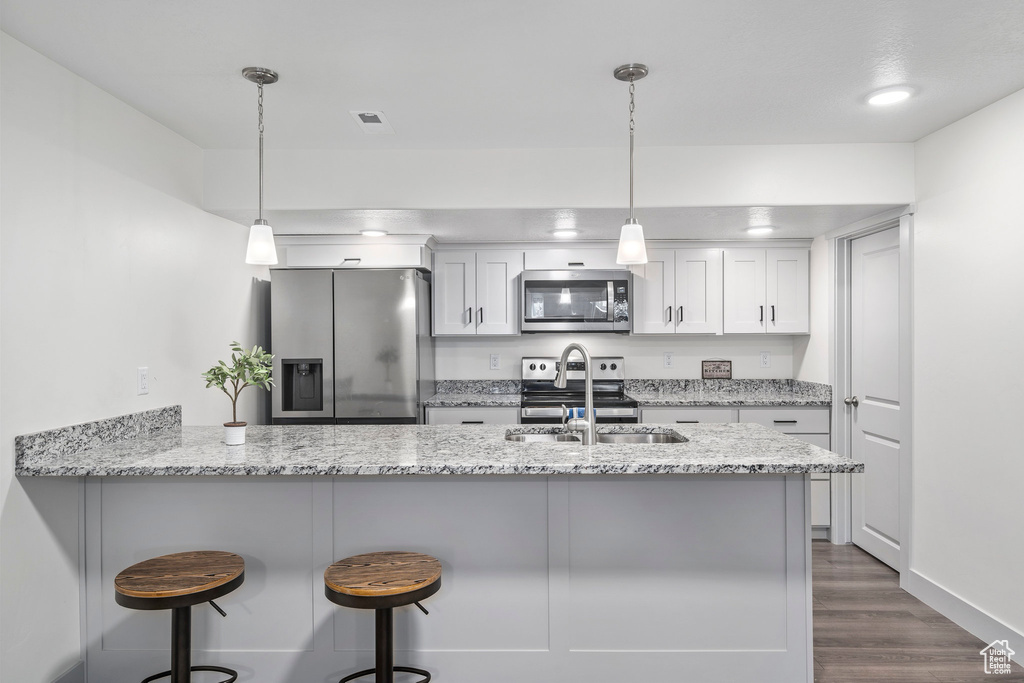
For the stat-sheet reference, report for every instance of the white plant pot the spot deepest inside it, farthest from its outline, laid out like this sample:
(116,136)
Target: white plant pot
(234,434)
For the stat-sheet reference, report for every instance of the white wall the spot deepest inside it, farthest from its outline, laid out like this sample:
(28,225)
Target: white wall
(737,175)
(468,358)
(968,491)
(107,265)
(811,359)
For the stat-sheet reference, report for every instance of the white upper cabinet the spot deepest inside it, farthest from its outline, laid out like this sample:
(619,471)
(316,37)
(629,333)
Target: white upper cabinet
(476,292)
(766,290)
(678,291)
(568,259)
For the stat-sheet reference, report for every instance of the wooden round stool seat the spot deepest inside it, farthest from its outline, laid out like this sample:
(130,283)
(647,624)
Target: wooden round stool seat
(177,582)
(179,579)
(382,580)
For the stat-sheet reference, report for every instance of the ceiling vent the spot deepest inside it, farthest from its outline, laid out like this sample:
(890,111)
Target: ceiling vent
(372,122)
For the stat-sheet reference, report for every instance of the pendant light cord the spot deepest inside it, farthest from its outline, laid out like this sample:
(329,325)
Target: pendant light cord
(259,85)
(632,125)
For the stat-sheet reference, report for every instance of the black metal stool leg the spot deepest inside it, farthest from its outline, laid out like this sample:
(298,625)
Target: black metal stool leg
(384,653)
(181,644)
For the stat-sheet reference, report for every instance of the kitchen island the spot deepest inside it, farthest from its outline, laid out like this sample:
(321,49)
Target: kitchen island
(562,562)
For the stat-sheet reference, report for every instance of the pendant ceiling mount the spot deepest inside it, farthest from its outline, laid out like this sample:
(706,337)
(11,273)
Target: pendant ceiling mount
(630,72)
(259,75)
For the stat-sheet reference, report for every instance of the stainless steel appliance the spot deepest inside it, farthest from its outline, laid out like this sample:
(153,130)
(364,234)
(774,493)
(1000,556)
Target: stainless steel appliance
(541,402)
(350,346)
(576,300)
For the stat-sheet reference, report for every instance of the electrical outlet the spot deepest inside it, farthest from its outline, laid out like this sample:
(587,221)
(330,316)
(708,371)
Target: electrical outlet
(668,359)
(766,359)
(143,381)
(495,361)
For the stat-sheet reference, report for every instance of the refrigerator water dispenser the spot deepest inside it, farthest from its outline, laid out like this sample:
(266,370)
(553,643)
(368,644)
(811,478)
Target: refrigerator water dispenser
(302,384)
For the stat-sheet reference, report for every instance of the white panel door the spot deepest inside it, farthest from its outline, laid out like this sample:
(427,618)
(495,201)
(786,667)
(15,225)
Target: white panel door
(788,299)
(454,290)
(497,291)
(698,291)
(654,292)
(744,291)
(875,345)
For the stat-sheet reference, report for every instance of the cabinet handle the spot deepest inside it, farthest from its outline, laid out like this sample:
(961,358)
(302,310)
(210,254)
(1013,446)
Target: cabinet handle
(670,314)
(687,422)
(680,314)
(576,264)
(784,422)
(471,315)
(762,315)
(472,422)
(773,313)
(480,318)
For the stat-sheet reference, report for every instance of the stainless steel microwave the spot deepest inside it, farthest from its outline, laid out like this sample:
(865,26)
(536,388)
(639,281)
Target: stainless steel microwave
(577,300)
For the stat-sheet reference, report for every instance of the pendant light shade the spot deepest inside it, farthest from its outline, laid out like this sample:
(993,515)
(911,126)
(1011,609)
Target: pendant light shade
(632,249)
(261,250)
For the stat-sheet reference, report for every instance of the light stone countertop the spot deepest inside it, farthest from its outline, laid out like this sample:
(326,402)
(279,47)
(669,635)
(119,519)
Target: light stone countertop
(472,399)
(303,450)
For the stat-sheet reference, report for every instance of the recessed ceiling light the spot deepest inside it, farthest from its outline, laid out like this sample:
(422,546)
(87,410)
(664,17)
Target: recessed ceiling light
(373,233)
(565,234)
(760,230)
(888,96)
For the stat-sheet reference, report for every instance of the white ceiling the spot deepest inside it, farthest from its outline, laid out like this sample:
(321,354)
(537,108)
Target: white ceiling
(536,225)
(536,73)
(493,74)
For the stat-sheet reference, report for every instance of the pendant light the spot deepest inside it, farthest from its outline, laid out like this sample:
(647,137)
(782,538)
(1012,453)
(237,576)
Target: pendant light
(632,249)
(261,250)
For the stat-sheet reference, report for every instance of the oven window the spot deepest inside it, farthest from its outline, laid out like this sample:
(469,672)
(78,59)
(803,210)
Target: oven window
(567,301)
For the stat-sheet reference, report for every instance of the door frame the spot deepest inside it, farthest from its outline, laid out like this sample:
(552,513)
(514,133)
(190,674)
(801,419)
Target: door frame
(840,332)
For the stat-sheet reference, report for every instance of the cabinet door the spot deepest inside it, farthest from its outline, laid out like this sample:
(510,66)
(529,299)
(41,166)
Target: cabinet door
(795,420)
(744,291)
(787,291)
(454,292)
(654,292)
(497,291)
(698,291)
(568,259)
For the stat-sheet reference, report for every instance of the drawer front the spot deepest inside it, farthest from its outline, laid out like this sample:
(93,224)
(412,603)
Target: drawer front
(471,415)
(789,420)
(687,415)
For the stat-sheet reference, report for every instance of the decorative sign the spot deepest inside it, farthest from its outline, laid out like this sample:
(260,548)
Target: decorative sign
(716,369)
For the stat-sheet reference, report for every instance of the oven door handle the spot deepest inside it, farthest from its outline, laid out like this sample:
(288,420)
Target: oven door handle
(558,412)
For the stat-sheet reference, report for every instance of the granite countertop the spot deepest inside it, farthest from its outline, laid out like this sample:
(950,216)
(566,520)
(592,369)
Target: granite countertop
(652,393)
(436,449)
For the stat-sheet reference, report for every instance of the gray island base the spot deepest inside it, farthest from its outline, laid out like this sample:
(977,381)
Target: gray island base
(606,563)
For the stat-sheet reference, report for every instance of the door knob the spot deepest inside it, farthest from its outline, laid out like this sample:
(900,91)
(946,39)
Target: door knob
(851,401)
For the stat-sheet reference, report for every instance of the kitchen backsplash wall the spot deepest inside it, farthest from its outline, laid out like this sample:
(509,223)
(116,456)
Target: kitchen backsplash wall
(469,358)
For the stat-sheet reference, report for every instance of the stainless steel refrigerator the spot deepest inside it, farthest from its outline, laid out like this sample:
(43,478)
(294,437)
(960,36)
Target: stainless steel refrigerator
(350,346)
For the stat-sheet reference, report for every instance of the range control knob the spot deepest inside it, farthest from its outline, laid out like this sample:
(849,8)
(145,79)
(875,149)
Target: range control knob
(543,366)
(533,366)
(604,366)
(614,366)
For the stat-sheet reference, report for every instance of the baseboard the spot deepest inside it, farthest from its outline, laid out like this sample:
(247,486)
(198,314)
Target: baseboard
(820,533)
(75,674)
(959,611)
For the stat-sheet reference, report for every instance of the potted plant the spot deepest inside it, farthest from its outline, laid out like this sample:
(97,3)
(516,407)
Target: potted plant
(249,367)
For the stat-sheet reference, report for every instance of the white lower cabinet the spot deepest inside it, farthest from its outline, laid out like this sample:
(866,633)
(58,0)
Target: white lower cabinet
(440,415)
(812,425)
(686,415)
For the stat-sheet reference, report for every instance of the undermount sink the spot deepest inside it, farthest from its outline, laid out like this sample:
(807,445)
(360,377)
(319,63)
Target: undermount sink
(543,438)
(612,437)
(640,437)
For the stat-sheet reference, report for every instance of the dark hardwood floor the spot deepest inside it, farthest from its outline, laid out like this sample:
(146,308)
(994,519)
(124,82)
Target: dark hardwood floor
(867,629)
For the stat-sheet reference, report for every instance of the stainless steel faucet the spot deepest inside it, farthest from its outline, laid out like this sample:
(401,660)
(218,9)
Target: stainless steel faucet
(588,424)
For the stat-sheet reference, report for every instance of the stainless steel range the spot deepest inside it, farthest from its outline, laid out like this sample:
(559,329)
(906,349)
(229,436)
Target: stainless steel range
(542,403)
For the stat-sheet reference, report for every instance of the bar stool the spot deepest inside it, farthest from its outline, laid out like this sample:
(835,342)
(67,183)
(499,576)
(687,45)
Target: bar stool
(176,582)
(382,581)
